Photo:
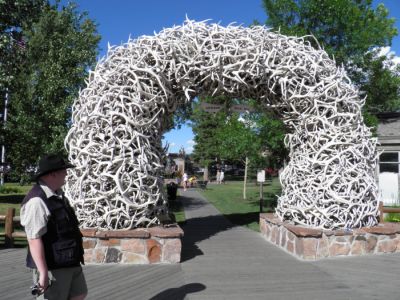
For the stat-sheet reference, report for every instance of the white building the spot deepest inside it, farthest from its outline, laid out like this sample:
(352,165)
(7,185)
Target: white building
(389,158)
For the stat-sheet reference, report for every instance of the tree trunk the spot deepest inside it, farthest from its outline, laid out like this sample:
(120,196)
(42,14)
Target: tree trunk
(205,174)
(245,178)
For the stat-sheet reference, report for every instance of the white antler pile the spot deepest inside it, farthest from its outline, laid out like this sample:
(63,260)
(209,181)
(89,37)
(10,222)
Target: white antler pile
(115,139)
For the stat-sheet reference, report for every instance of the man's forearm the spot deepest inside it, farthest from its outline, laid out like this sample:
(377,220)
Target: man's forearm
(37,251)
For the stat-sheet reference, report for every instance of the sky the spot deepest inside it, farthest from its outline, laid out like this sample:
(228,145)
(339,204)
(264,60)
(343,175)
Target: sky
(120,19)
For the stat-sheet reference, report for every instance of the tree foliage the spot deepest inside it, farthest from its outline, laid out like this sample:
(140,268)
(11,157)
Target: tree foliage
(238,139)
(350,31)
(204,126)
(55,48)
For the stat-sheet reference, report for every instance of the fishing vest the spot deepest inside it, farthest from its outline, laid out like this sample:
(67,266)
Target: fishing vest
(63,240)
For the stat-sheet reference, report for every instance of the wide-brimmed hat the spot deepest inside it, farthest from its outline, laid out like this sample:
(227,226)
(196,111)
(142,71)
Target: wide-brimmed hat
(50,163)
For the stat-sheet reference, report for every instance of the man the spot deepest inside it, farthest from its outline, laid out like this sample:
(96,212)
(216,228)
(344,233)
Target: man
(55,250)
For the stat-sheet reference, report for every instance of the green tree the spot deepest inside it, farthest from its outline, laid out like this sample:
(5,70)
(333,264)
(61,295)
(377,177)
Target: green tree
(204,126)
(350,31)
(238,140)
(60,45)
(271,131)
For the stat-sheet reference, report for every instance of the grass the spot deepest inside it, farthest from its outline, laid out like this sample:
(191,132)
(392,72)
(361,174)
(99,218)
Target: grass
(176,208)
(11,195)
(228,199)
(393,217)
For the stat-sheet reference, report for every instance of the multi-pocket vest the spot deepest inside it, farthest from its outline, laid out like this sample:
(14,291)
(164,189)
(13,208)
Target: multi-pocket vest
(63,240)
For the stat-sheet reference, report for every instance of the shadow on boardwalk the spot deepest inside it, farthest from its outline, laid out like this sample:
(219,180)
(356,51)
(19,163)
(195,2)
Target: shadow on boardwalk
(202,228)
(179,293)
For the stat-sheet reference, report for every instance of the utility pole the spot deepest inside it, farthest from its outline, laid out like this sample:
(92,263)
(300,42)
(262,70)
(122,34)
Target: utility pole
(3,147)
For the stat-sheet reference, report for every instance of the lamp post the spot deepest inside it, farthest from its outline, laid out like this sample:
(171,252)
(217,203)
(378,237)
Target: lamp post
(3,147)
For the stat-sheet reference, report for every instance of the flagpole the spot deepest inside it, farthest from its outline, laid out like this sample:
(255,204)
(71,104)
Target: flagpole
(3,148)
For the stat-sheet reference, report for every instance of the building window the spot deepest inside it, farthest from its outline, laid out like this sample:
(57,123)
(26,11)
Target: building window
(389,162)
(389,178)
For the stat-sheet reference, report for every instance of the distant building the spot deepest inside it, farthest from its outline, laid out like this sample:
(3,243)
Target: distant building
(389,159)
(179,162)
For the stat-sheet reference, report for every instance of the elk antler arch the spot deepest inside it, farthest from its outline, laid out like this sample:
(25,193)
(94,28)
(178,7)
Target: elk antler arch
(118,121)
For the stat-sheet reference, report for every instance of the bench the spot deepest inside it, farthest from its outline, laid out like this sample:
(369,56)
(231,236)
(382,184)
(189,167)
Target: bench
(202,184)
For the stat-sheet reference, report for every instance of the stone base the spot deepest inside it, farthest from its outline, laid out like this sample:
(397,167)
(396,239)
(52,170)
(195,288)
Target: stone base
(313,244)
(138,246)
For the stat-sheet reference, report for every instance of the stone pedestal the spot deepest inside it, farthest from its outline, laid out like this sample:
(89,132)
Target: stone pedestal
(138,246)
(312,244)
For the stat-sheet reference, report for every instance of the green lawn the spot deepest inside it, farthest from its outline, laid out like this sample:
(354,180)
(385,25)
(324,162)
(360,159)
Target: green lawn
(393,217)
(11,195)
(176,208)
(228,199)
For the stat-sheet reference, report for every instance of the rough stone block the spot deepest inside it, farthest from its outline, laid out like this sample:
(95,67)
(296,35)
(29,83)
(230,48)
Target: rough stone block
(283,237)
(109,242)
(384,228)
(153,251)
(267,230)
(274,233)
(113,255)
(290,236)
(99,255)
(290,246)
(271,218)
(310,248)
(323,247)
(278,235)
(387,246)
(134,245)
(133,233)
(337,249)
(88,255)
(358,247)
(170,232)
(88,232)
(89,243)
(301,231)
(371,244)
(398,243)
(342,232)
(347,239)
(298,246)
(172,251)
(360,238)
(133,258)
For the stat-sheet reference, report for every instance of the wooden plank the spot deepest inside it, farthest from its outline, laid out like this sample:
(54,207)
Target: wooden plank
(9,227)
(391,210)
(19,234)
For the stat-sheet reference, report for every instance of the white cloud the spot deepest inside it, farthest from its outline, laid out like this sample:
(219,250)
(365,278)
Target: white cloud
(190,142)
(189,150)
(172,145)
(391,55)
(384,51)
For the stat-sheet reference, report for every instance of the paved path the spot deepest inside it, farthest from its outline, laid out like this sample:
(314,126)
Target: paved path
(222,261)
(237,263)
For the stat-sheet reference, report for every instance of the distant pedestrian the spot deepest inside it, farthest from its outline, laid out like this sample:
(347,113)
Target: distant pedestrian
(221,176)
(192,180)
(185,179)
(218,174)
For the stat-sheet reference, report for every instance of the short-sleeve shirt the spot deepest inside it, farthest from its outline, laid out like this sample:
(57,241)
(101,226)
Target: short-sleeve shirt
(185,177)
(35,214)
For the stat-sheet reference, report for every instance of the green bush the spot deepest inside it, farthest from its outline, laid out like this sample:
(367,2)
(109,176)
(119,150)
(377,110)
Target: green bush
(9,189)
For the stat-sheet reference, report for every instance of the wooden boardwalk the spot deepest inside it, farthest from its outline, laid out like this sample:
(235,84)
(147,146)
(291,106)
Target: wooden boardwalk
(222,261)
